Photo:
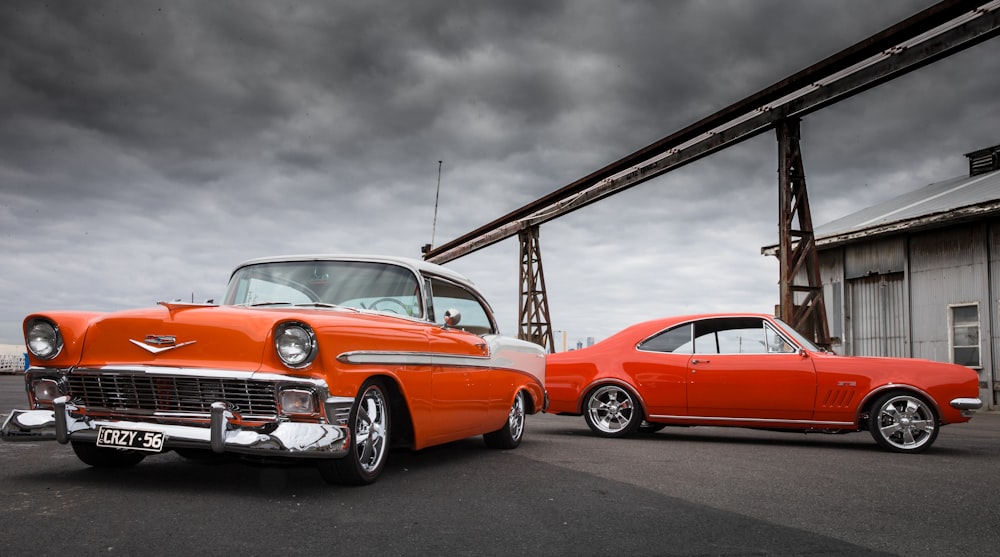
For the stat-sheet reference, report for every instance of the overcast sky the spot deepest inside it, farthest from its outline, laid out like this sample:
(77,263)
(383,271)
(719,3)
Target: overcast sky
(147,148)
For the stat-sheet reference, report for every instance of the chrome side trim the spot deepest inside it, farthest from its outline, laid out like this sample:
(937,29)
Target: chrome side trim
(755,420)
(413,359)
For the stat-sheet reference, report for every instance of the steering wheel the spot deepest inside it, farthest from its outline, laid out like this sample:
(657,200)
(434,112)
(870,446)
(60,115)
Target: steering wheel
(373,305)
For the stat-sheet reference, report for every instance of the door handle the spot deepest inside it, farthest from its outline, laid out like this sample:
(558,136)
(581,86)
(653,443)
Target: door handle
(697,361)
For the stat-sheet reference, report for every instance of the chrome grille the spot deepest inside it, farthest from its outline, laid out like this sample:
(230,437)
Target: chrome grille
(165,394)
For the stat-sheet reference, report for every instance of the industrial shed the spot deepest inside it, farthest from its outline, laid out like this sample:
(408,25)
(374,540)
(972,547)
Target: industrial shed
(919,275)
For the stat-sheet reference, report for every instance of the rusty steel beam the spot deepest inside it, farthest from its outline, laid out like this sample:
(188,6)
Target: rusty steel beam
(902,48)
(533,309)
(801,289)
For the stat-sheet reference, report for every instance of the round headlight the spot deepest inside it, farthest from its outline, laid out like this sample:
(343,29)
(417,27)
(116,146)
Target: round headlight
(295,343)
(43,338)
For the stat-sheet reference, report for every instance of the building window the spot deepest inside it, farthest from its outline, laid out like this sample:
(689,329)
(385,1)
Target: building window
(965,335)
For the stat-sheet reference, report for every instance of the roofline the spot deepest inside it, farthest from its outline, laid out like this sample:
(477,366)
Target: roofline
(416,265)
(923,222)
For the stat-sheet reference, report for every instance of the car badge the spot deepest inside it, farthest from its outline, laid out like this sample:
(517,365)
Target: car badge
(159,343)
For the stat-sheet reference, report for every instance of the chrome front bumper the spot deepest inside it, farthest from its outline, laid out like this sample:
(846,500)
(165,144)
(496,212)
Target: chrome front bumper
(291,439)
(968,406)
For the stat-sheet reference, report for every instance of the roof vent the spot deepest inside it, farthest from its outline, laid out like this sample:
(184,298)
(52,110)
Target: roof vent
(984,160)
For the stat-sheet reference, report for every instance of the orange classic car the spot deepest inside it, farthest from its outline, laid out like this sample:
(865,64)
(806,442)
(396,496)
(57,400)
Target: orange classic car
(754,371)
(332,359)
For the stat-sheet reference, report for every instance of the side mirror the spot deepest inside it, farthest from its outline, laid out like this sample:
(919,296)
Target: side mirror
(452,317)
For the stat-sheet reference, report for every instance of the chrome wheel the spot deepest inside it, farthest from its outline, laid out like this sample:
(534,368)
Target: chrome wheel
(509,436)
(903,423)
(370,434)
(611,411)
(370,430)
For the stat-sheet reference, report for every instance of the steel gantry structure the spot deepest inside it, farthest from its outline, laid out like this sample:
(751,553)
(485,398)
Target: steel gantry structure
(930,35)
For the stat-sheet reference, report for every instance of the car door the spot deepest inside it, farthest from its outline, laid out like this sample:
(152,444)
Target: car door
(743,368)
(461,377)
(659,369)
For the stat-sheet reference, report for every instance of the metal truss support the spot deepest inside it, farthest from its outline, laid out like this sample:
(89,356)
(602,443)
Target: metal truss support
(801,288)
(533,310)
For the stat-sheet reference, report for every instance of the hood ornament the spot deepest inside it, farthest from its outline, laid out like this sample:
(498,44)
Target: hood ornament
(159,343)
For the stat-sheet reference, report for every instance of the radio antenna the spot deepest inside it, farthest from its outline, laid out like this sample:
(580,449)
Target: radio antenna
(437,196)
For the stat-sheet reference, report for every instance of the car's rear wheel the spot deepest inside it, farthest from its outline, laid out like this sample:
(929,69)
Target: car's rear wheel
(903,423)
(106,457)
(612,411)
(509,436)
(370,423)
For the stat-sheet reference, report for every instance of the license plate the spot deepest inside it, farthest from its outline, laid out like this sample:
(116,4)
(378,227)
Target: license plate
(130,439)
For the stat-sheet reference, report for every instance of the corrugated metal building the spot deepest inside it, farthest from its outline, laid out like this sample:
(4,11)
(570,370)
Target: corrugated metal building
(919,275)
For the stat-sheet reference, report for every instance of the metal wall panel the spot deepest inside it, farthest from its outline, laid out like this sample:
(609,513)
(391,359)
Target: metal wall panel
(947,266)
(831,272)
(878,257)
(991,376)
(877,316)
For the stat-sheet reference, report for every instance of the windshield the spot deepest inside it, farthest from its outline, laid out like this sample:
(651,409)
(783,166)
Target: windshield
(353,284)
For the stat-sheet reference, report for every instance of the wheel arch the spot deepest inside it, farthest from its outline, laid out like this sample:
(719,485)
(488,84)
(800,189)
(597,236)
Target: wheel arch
(865,407)
(401,433)
(598,383)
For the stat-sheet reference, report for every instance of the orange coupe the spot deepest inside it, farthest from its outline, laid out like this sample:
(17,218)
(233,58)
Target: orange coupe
(749,370)
(331,359)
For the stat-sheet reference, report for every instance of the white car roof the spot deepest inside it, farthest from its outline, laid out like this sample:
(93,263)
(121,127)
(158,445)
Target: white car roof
(417,265)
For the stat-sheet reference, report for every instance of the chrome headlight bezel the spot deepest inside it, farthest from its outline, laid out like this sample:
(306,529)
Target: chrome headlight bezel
(297,401)
(295,343)
(44,390)
(43,338)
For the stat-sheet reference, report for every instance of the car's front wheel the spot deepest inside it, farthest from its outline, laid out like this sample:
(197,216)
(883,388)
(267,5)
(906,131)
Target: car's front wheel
(612,411)
(903,423)
(370,421)
(106,457)
(509,436)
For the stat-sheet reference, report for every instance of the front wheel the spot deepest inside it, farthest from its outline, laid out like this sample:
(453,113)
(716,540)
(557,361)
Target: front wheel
(509,436)
(903,423)
(647,428)
(369,419)
(612,411)
(106,457)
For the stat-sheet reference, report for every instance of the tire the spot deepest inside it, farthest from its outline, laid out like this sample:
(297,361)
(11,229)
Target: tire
(509,436)
(612,411)
(106,457)
(370,434)
(647,428)
(903,423)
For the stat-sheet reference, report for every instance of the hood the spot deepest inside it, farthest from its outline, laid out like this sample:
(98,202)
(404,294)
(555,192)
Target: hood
(182,335)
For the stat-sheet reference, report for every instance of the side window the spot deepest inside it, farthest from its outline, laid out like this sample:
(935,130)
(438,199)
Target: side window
(447,295)
(738,335)
(676,341)
(965,335)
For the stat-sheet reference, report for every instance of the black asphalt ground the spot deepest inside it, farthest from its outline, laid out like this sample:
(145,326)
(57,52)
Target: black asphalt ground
(697,491)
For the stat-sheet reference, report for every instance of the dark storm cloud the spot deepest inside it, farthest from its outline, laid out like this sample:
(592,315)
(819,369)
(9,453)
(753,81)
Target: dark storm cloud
(146,148)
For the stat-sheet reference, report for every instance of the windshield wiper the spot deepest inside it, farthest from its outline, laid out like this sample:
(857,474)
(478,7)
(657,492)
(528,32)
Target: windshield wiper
(256,304)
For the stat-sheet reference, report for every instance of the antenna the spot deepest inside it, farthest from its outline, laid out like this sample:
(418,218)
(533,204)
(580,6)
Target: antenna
(437,196)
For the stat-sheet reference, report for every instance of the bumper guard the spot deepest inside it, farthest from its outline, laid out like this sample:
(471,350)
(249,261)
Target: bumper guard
(285,439)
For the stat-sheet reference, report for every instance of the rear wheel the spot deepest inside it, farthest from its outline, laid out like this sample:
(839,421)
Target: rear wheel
(509,436)
(106,457)
(612,411)
(903,423)
(369,420)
